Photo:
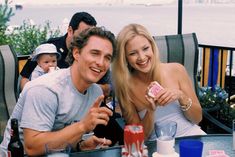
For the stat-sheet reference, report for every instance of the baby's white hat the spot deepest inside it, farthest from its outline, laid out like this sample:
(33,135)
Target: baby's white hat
(45,49)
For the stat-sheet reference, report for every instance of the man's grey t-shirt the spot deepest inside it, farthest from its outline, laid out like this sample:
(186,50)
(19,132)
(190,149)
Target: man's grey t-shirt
(50,103)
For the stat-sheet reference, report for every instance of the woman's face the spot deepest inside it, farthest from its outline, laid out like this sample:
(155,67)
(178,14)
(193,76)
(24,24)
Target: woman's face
(139,53)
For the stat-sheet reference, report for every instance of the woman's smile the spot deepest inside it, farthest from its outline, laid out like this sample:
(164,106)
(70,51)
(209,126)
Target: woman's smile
(143,63)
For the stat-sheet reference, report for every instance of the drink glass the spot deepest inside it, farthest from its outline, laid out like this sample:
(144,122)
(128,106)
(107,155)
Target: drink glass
(134,141)
(55,149)
(190,148)
(165,137)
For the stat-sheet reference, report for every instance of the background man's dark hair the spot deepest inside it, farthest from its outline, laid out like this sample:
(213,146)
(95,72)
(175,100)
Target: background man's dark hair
(82,16)
(81,40)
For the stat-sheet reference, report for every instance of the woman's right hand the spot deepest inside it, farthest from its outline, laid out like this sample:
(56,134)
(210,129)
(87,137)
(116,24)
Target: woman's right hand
(152,91)
(151,101)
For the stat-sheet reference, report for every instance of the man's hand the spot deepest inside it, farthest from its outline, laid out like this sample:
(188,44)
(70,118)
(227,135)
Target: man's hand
(94,142)
(96,115)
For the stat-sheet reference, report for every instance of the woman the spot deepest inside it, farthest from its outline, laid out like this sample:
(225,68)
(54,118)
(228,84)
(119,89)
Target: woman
(135,68)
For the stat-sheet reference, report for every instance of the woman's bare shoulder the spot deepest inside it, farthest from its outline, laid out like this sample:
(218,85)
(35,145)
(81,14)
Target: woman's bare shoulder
(172,74)
(175,67)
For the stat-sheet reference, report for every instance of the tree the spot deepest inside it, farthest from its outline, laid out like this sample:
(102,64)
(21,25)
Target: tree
(6,12)
(25,38)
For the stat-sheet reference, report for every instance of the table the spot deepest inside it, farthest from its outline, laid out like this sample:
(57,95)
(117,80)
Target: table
(114,151)
(219,142)
(212,141)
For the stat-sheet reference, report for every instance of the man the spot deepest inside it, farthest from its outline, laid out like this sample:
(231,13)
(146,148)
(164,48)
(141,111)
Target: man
(64,105)
(79,22)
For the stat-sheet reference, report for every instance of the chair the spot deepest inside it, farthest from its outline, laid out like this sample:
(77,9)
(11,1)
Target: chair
(8,83)
(183,48)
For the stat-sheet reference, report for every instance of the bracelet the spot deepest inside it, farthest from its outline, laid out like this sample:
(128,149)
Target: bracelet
(79,145)
(188,106)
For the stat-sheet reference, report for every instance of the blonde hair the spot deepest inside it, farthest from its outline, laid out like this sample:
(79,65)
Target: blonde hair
(122,72)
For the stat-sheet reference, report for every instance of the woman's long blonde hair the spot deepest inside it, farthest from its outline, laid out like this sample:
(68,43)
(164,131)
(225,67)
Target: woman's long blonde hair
(121,71)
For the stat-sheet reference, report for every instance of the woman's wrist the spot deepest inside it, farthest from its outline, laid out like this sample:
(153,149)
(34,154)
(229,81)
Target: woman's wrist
(185,102)
(186,106)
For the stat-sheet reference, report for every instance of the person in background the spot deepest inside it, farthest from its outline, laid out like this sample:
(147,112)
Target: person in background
(46,57)
(79,22)
(65,104)
(134,70)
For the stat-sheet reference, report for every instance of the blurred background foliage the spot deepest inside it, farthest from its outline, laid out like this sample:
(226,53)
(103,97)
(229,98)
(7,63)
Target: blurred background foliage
(6,13)
(25,38)
(215,100)
(211,97)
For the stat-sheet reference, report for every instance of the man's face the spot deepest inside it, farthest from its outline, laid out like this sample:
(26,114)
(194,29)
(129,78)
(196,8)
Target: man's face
(93,60)
(81,27)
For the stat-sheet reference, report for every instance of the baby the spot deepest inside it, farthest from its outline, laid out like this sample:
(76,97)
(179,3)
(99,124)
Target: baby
(46,56)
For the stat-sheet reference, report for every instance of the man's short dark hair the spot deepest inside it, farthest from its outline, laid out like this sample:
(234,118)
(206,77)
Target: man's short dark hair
(79,17)
(81,40)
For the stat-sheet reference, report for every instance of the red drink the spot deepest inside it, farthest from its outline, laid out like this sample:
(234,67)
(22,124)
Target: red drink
(134,141)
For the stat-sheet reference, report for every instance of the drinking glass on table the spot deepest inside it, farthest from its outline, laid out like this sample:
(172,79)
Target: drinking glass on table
(190,148)
(55,149)
(165,137)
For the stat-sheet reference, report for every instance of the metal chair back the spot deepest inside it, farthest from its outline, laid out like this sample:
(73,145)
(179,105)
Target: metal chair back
(8,83)
(180,48)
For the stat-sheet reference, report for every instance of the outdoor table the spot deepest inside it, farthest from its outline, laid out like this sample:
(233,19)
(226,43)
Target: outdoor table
(211,142)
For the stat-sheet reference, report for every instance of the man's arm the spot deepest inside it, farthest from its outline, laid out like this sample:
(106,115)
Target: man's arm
(26,72)
(35,140)
(23,81)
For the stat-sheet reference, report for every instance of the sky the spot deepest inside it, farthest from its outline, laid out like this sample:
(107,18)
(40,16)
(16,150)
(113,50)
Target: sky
(38,2)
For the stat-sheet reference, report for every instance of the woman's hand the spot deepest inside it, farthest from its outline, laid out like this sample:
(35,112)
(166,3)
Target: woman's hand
(151,101)
(94,142)
(164,97)
(153,89)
